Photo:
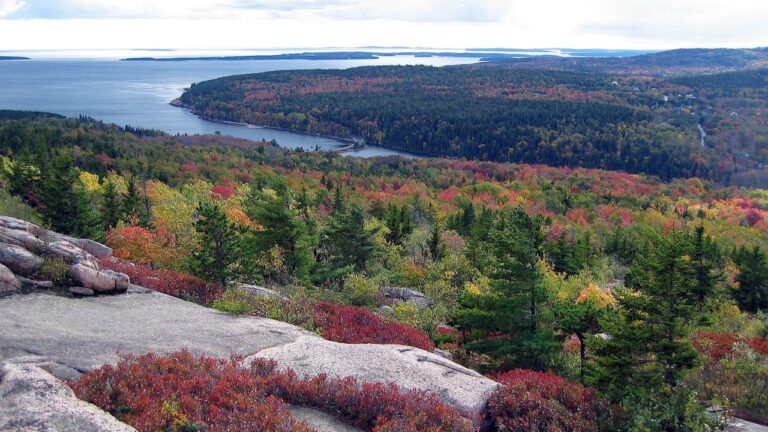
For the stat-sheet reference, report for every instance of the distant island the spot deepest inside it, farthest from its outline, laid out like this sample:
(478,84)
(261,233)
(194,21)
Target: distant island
(641,114)
(13,58)
(483,55)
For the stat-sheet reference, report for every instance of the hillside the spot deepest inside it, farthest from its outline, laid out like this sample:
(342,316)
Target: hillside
(630,121)
(557,282)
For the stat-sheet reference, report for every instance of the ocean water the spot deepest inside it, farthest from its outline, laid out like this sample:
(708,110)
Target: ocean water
(138,93)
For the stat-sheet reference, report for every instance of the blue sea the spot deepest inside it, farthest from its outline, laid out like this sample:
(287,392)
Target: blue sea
(139,93)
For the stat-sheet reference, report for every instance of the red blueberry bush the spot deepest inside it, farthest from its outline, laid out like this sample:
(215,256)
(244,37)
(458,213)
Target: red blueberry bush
(715,345)
(357,325)
(177,284)
(183,393)
(540,401)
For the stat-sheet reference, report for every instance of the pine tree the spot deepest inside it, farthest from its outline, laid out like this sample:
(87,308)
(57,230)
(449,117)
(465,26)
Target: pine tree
(648,347)
(581,319)
(436,248)
(111,210)
(64,204)
(131,208)
(347,244)
(479,240)
(513,308)
(218,247)
(752,292)
(706,259)
(276,209)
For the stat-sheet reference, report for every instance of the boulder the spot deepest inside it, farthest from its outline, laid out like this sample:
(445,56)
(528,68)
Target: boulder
(32,283)
(15,224)
(122,281)
(385,310)
(19,260)
(89,246)
(8,282)
(31,399)
(407,367)
(80,291)
(21,238)
(69,252)
(407,295)
(100,281)
(261,291)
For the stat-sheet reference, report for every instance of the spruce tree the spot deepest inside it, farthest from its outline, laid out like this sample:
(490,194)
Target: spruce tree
(512,311)
(110,209)
(436,248)
(64,205)
(647,348)
(131,206)
(218,247)
(277,211)
(752,291)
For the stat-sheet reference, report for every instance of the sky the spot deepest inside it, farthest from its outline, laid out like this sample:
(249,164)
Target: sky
(448,24)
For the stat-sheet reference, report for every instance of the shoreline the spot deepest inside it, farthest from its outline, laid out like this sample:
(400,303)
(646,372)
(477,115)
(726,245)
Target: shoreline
(346,144)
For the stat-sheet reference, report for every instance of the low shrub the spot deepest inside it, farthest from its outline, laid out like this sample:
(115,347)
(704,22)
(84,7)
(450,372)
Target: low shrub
(183,393)
(361,290)
(715,346)
(177,284)
(56,270)
(541,401)
(737,379)
(295,310)
(371,406)
(357,325)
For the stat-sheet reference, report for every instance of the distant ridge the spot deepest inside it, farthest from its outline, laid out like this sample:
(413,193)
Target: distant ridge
(13,58)
(489,54)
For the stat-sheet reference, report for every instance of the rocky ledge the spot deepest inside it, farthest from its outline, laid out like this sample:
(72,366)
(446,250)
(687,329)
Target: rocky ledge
(45,332)
(33,400)
(25,248)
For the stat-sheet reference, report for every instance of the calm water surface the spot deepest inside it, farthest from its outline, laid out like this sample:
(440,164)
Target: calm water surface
(139,93)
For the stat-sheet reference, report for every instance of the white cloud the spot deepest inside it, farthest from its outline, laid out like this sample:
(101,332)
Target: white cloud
(8,7)
(350,23)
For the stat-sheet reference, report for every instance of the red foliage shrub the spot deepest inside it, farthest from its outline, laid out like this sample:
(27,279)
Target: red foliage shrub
(167,393)
(173,283)
(753,216)
(357,325)
(142,246)
(374,406)
(715,345)
(154,393)
(222,192)
(447,333)
(539,401)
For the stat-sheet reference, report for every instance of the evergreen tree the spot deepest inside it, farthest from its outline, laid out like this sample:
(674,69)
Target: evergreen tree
(706,259)
(480,239)
(111,211)
(23,178)
(399,223)
(218,249)
(752,292)
(648,347)
(277,210)
(513,308)
(131,208)
(64,204)
(347,244)
(581,319)
(436,248)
